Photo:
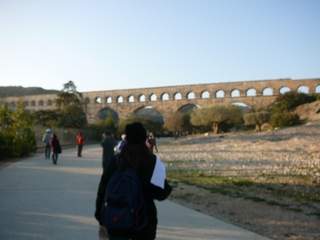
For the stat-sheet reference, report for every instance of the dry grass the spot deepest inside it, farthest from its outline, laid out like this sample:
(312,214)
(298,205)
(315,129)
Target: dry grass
(233,172)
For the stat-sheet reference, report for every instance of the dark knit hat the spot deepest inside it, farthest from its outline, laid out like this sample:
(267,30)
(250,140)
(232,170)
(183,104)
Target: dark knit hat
(135,133)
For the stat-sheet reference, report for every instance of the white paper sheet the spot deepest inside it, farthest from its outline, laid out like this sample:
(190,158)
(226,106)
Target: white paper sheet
(159,174)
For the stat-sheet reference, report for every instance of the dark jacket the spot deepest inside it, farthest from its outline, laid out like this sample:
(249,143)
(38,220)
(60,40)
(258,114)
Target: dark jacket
(107,145)
(55,145)
(151,192)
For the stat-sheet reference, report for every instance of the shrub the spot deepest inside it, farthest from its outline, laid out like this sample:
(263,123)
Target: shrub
(178,123)
(216,116)
(256,118)
(290,100)
(283,119)
(17,137)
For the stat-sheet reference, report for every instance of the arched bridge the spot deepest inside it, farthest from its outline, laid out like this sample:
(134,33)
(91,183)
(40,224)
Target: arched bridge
(167,100)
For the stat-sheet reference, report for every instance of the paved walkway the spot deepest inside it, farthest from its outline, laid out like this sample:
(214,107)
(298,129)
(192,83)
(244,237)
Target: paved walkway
(41,201)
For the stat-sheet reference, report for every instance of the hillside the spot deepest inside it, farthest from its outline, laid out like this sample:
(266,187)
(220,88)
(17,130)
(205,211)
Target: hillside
(16,91)
(309,111)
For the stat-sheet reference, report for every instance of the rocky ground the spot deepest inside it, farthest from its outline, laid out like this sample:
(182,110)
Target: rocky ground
(266,182)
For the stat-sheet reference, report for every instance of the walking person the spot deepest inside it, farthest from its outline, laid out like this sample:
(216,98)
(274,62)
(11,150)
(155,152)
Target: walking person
(135,156)
(55,148)
(108,143)
(46,140)
(80,143)
(151,143)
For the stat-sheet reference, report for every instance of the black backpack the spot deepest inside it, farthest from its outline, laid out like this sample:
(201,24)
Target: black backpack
(124,207)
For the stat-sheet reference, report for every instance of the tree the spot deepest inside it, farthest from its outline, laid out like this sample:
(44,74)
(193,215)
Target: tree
(46,118)
(178,123)
(70,106)
(215,116)
(17,137)
(256,118)
(290,100)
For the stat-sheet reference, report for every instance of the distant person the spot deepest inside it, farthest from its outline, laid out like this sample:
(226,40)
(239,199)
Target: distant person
(120,144)
(80,142)
(108,143)
(46,140)
(150,171)
(151,143)
(55,148)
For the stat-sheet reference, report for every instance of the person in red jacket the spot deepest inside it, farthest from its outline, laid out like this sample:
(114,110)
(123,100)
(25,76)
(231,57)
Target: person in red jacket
(80,142)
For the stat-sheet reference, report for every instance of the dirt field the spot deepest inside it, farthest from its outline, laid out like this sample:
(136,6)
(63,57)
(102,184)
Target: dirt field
(265,182)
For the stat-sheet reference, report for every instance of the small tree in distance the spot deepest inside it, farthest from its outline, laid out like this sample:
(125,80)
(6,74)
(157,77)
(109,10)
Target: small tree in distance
(178,123)
(71,107)
(215,116)
(256,118)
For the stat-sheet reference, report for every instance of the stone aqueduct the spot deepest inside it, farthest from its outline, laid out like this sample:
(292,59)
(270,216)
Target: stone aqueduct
(167,100)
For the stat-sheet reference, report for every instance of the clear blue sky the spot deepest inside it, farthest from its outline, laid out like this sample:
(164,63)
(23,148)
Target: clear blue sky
(116,44)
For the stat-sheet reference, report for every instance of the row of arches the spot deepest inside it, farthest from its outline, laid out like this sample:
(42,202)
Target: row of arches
(251,92)
(151,112)
(147,112)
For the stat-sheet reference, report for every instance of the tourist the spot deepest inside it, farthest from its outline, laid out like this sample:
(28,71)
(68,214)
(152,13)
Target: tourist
(80,142)
(151,142)
(135,155)
(108,143)
(46,140)
(55,148)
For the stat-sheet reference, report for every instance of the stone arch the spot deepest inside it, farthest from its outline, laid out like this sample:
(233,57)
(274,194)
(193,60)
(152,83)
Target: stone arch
(120,99)
(40,103)
(177,96)
(317,90)
(191,95)
(268,91)
(106,113)
(49,102)
(26,103)
(149,113)
(235,93)
(131,99)
(153,97)
(98,100)
(165,96)
(242,105)
(205,94)
(187,108)
(284,90)
(303,89)
(33,103)
(142,98)
(109,99)
(220,94)
(251,92)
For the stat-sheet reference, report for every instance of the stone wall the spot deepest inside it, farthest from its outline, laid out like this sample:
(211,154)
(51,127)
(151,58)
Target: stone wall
(167,100)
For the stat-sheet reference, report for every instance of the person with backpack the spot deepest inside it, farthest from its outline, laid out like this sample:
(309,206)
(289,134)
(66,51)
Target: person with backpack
(128,187)
(55,148)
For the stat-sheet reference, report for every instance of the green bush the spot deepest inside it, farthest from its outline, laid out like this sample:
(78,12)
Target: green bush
(283,119)
(17,137)
(290,100)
